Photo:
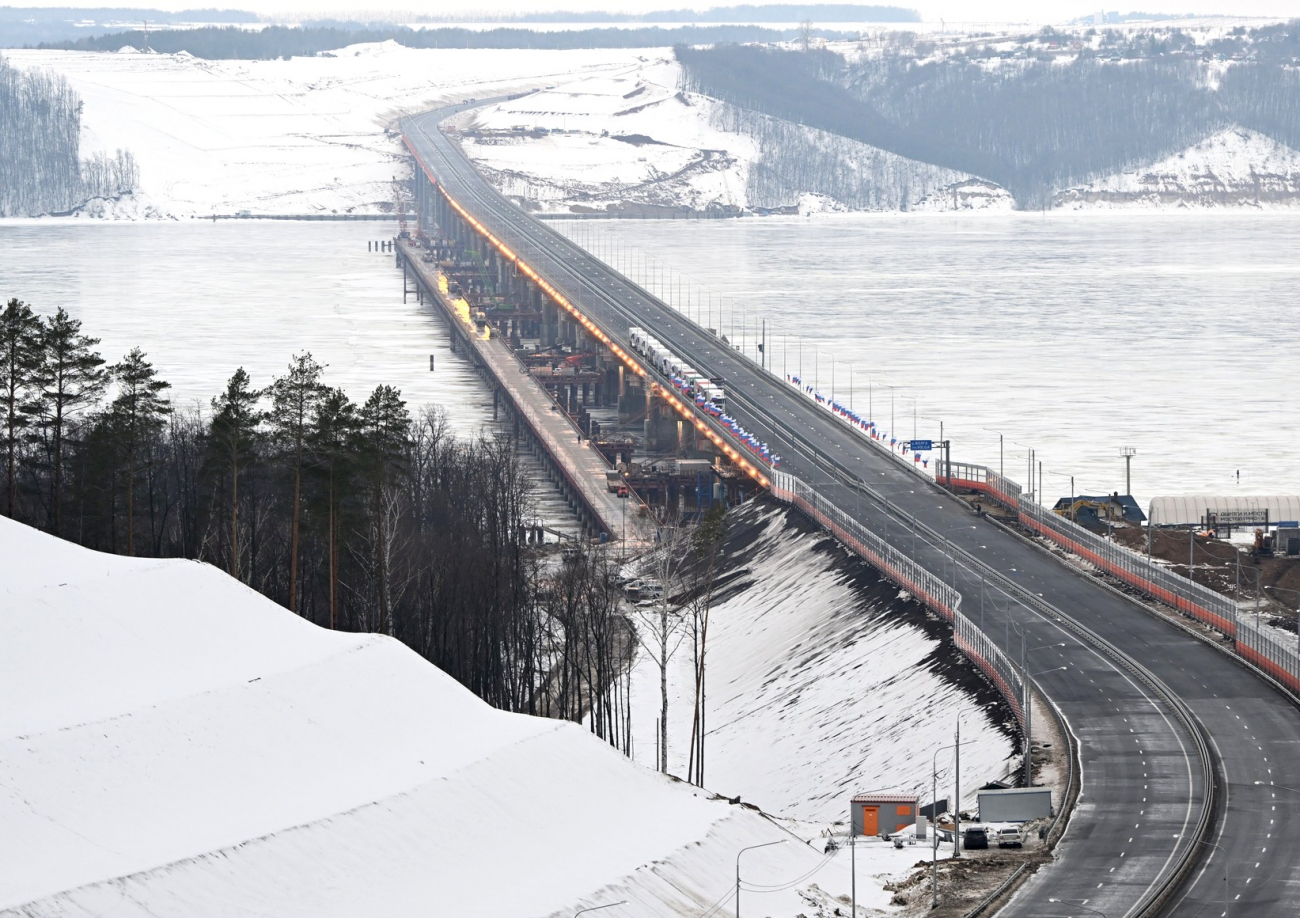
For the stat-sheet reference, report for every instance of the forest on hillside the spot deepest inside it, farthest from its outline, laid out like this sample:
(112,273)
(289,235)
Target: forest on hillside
(41,167)
(364,516)
(1034,121)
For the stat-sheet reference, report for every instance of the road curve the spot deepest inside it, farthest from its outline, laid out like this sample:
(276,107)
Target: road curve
(1143,698)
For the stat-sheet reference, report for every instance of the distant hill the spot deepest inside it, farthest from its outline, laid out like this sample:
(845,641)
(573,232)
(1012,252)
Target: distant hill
(1035,114)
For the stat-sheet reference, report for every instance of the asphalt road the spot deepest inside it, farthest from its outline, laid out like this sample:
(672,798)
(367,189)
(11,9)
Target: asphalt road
(1144,700)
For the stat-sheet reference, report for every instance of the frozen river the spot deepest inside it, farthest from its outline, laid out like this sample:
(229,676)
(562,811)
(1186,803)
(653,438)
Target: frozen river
(1177,335)
(202,299)
(1077,336)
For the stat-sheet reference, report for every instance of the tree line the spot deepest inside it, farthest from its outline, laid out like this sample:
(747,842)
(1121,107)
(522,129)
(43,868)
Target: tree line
(1032,126)
(357,516)
(41,169)
(232,43)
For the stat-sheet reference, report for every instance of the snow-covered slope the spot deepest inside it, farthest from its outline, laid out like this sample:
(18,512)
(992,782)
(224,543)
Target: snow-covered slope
(633,143)
(299,136)
(171,743)
(1232,168)
(822,682)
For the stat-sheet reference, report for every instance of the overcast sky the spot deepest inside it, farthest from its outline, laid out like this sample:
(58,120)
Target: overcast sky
(950,10)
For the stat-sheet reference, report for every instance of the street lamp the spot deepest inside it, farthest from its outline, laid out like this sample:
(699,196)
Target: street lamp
(1029,715)
(1001,472)
(596,908)
(947,454)
(738,854)
(853,855)
(934,807)
(1032,490)
(1074,513)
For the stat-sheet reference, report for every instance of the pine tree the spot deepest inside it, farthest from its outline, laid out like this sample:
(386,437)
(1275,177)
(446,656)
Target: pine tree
(70,377)
(295,399)
(333,444)
(138,413)
(233,436)
(385,436)
(20,358)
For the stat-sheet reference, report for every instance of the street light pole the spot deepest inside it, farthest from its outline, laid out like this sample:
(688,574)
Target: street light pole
(742,851)
(934,813)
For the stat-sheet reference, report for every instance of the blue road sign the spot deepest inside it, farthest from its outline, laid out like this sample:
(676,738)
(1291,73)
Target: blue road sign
(920,444)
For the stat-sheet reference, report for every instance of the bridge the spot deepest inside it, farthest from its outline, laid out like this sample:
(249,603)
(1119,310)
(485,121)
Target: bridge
(1184,756)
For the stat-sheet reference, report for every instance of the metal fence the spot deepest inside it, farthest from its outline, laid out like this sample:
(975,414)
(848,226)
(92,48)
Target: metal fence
(1276,654)
(1263,646)
(914,578)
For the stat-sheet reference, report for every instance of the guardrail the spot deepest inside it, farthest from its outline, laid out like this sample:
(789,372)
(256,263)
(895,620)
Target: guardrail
(913,577)
(1256,643)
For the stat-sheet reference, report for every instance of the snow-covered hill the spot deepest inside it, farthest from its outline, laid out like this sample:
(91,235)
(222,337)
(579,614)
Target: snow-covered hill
(815,660)
(173,744)
(1233,168)
(299,136)
(632,143)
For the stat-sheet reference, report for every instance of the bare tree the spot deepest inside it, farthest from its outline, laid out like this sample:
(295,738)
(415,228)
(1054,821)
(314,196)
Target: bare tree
(663,622)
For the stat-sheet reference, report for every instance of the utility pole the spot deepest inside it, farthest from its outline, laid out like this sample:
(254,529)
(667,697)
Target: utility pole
(1129,453)
(956,796)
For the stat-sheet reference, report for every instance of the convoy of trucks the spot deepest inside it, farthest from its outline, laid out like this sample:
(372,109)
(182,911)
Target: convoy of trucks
(688,380)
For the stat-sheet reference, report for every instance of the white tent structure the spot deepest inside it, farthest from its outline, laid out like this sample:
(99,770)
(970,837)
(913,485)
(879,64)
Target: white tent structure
(1191,510)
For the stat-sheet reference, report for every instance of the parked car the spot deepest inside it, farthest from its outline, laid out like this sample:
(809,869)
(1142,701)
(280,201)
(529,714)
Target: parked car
(1009,837)
(975,838)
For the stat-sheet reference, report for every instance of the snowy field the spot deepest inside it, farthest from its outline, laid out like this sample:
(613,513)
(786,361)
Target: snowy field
(302,136)
(172,743)
(821,683)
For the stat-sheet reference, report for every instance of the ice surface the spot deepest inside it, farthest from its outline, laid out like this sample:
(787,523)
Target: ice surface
(175,744)
(1074,334)
(202,299)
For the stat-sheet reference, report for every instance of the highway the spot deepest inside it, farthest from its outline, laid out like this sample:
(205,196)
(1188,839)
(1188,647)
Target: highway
(1166,725)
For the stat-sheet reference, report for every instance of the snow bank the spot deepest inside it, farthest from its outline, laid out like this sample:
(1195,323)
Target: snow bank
(175,744)
(299,136)
(822,681)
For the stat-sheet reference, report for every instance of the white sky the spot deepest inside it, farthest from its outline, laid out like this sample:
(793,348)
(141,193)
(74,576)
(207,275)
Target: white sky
(950,10)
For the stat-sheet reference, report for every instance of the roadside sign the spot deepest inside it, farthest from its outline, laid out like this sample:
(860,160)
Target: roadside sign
(914,445)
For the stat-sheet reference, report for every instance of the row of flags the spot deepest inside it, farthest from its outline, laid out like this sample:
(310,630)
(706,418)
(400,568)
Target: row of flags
(868,426)
(752,443)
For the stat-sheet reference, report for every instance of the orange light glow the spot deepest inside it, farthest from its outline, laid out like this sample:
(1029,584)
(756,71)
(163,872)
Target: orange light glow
(630,362)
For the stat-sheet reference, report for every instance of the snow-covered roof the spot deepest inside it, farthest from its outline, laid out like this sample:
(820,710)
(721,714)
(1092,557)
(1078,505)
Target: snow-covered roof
(885,798)
(1189,509)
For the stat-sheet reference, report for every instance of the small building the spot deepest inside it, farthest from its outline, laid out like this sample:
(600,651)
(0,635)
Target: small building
(882,814)
(1096,511)
(1015,804)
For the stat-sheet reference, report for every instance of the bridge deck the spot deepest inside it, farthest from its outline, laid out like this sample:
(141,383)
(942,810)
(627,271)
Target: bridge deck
(583,465)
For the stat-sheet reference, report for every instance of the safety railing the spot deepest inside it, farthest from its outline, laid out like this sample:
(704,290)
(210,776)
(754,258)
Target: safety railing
(1256,643)
(913,577)
(1276,654)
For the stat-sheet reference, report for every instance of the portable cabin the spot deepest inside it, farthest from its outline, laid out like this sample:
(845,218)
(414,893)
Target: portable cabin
(882,814)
